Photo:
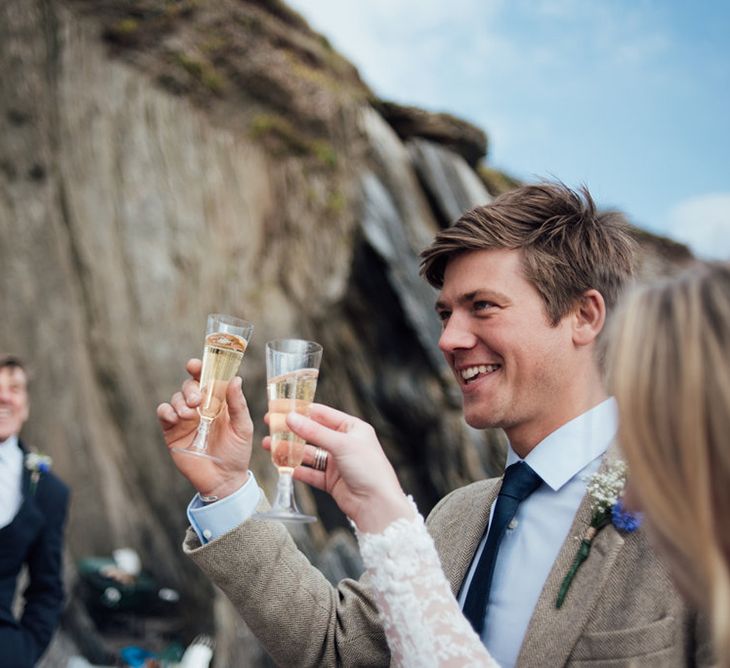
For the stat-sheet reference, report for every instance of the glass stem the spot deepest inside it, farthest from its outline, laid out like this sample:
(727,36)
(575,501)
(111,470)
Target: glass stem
(201,437)
(284,491)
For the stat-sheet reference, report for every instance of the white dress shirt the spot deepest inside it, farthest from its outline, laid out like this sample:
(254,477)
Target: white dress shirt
(11,480)
(564,460)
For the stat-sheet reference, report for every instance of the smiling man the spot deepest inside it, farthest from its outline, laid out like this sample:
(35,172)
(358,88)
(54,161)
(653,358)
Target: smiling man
(526,285)
(33,505)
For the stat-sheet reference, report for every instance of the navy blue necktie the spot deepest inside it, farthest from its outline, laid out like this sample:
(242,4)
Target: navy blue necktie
(519,482)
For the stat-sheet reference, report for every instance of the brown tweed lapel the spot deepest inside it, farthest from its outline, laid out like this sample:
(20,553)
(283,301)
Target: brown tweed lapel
(552,633)
(458,540)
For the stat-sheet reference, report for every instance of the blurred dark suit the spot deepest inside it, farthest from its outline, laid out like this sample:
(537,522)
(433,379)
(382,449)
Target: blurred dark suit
(34,537)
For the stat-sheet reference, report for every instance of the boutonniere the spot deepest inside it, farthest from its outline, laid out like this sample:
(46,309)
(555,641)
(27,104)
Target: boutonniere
(37,464)
(604,489)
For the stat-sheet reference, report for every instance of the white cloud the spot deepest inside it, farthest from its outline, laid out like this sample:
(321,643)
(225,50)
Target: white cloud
(703,223)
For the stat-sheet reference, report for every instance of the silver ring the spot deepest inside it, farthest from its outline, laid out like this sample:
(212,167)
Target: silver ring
(320,459)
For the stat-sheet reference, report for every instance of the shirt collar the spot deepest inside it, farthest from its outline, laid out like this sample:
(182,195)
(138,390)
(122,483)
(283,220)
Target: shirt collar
(10,449)
(570,448)
(9,443)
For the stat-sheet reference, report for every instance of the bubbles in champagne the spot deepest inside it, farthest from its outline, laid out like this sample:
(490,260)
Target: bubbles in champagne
(289,392)
(222,356)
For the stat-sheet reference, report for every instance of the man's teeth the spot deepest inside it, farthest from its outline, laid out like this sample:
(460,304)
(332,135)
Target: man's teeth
(473,371)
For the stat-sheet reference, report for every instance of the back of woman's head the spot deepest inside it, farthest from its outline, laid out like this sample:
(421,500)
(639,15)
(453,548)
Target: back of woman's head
(669,369)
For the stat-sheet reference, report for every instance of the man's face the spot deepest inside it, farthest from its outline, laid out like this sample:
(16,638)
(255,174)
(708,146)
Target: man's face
(13,401)
(511,364)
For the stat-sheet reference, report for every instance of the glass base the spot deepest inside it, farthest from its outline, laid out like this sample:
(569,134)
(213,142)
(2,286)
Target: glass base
(198,453)
(285,507)
(285,515)
(199,446)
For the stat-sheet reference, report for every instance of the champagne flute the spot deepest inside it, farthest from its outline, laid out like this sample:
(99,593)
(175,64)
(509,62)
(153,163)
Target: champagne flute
(226,339)
(292,368)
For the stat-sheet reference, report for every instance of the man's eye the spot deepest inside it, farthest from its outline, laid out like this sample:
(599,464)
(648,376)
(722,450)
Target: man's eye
(481,305)
(443,315)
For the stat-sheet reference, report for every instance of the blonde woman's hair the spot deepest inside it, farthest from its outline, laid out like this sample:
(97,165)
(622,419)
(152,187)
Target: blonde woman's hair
(669,369)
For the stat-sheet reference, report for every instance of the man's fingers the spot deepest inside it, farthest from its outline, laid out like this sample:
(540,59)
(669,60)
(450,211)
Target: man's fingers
(237,405)
(266,443)
(191,392)
(193,367)
(181,407)
(238,408)
(167,416)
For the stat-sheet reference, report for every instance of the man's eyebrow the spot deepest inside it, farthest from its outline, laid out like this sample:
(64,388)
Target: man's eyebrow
(464,298)
(470,296)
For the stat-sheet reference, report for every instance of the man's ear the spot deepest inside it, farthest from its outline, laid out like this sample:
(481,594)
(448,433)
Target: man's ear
(588,318)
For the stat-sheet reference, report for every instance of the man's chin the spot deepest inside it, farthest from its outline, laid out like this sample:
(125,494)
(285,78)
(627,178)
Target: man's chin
(477,420)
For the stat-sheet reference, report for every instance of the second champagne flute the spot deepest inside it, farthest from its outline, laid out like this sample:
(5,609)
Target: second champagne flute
(292,369)
(226,339)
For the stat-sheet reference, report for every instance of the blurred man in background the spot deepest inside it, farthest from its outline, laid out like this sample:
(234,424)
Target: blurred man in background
(33,504)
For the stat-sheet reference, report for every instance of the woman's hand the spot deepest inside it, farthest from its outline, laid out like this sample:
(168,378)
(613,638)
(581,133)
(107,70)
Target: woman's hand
(230,438)
(358,475)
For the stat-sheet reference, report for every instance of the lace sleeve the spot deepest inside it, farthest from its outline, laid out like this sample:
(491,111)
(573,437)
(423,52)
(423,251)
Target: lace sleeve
(422,620)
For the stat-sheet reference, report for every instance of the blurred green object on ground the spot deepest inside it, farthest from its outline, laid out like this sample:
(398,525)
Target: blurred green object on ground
(109,588)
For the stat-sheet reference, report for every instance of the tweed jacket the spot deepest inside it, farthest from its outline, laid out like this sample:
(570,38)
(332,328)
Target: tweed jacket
(622,609)
(34,538)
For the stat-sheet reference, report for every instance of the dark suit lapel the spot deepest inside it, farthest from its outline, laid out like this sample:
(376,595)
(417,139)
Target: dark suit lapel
(30,504)
(26,485)
(26,474)
(552,633)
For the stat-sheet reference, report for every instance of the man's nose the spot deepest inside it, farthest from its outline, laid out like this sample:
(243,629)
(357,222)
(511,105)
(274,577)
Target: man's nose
(456,335)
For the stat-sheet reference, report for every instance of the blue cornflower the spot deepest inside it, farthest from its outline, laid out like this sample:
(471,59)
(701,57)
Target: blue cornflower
(624,520)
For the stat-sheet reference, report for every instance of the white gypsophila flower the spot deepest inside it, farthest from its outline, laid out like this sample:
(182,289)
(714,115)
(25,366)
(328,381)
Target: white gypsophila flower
(38,462)
(605,488)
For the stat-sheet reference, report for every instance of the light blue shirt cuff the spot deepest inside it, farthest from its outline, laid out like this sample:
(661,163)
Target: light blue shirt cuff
(212,520)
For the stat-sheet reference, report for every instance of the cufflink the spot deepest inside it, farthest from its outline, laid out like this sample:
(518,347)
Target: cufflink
(513,524)
(207,534)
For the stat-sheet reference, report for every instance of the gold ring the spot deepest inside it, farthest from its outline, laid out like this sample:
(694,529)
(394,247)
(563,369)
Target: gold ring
(320,459)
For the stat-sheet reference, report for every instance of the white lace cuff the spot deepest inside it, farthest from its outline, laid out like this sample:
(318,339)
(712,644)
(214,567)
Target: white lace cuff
(422,620)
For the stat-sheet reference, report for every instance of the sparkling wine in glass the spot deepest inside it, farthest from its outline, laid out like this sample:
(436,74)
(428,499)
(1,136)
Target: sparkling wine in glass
(292,368)
(226,339)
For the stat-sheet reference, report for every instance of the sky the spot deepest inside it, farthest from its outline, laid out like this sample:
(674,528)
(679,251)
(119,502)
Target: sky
(629,97)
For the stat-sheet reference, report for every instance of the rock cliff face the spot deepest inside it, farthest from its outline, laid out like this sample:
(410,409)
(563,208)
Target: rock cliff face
(162,160)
